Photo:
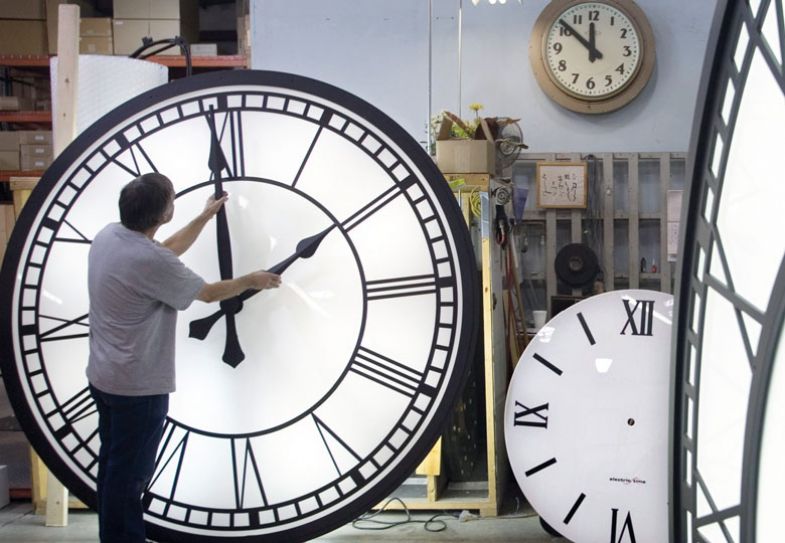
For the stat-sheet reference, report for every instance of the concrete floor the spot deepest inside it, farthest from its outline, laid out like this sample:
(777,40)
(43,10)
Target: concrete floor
(18,524)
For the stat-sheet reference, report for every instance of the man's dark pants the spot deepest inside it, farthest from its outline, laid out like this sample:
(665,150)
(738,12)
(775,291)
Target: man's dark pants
(130,428)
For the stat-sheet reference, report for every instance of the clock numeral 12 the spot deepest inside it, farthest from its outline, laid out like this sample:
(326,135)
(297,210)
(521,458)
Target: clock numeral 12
(625,528)
(643,327)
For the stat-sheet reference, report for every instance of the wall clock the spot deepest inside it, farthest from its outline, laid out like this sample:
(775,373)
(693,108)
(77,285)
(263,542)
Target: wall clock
(727,362)
(586,418)
(592,56)
(321,397)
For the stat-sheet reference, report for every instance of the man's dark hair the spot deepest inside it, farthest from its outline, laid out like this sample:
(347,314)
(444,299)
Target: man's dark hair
(144,200)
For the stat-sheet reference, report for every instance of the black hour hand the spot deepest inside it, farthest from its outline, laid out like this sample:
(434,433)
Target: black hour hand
(594,53)
(305,248)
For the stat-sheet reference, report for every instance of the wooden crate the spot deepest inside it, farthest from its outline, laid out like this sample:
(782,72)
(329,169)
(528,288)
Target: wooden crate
(618,227)
(486,495)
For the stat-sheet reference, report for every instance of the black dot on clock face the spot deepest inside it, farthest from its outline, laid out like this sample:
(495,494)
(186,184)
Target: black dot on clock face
(631,422)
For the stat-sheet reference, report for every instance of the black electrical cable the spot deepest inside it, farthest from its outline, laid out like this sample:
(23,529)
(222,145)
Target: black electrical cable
(177,41)
(433,524)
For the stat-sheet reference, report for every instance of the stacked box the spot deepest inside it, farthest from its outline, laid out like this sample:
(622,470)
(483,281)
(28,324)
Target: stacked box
(52,12)
(23,27)
(156,19)
(95,36)
(9,150)
(25,150)
(35,149)
(34,157)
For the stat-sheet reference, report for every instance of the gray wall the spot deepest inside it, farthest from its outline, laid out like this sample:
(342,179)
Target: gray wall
(386,52)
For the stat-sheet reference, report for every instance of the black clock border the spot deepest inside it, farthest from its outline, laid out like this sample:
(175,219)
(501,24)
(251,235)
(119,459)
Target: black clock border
(464,256)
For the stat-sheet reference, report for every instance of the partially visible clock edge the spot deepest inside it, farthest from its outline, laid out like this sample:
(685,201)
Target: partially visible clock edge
(623,96)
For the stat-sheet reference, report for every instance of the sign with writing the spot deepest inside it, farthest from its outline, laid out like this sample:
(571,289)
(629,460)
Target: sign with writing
(561,184)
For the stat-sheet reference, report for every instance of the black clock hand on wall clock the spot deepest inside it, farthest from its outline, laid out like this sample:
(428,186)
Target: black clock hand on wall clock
(233,353)
(199,328)
(594,53)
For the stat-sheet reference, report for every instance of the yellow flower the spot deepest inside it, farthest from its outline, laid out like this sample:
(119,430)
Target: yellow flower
(476,107)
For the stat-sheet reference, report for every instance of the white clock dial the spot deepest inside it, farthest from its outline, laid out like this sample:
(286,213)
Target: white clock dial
(586,418)
(593,50)
(296,409)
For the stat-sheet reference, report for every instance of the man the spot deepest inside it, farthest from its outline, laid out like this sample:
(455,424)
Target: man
(136,287)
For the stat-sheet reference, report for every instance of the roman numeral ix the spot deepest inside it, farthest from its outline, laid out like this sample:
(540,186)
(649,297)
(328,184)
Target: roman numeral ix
(535,417)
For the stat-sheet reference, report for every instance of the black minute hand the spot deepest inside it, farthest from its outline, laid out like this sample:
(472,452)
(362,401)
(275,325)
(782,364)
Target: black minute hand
(233,353)
(306,248)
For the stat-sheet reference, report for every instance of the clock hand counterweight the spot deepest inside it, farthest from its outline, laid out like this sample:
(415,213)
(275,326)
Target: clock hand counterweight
(594,53)
(305,248)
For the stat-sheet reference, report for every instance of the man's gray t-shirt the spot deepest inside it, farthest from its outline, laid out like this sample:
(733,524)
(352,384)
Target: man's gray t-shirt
(136,287)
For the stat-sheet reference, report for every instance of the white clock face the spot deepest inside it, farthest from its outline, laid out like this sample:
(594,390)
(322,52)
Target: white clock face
(592,50)
(586,418)
(327,391)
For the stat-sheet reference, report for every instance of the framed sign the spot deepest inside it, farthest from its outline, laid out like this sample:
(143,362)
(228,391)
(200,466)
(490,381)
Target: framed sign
(561,184)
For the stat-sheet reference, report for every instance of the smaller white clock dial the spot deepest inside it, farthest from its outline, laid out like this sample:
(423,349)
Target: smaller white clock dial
(586,418)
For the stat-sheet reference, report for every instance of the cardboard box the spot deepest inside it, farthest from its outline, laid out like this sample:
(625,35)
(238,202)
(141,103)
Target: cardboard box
(22,9)
(204,49)
(16,103)
(128,34)
(52,13)
(463,155)
(23,37)
(9,160)
(36,137)
(28,163)
(9,140)
(468,181)
(466,156)
(37,151)
(95,26)
(96,45)
(153,9)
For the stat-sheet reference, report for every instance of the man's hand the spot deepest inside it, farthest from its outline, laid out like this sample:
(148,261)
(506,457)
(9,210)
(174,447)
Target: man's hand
(212,206)
(261,280)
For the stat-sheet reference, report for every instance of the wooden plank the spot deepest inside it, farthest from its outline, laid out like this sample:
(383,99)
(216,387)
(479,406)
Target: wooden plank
(607,219)
(633,225)
(550,251)
(665,185)
(491,284)
(63,132)
(576,218)
(6,225)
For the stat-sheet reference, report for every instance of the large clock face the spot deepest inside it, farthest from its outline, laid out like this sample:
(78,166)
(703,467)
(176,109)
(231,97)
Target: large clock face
(585,53)
(326,392)
(586,418)
(727,406)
